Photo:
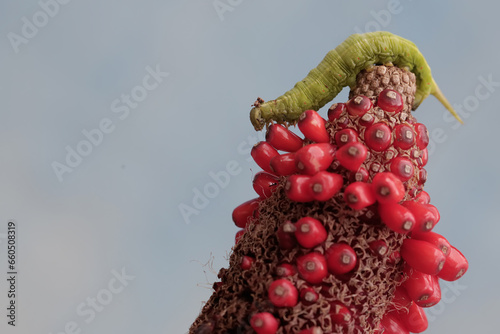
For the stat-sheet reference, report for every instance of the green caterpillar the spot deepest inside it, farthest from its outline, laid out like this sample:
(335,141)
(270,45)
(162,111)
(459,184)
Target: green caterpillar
(339,69)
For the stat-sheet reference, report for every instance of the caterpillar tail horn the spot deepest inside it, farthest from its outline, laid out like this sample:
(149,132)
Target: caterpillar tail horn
(441,98)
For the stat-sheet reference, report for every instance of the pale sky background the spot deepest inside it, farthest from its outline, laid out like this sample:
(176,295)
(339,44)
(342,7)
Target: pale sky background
(118,209)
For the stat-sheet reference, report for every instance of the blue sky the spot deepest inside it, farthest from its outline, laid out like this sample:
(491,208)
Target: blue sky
(118,208)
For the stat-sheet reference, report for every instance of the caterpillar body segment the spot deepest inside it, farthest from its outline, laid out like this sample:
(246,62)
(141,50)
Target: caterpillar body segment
(339,69)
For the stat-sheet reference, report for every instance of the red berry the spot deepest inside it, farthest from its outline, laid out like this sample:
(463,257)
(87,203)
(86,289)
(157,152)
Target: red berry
(390,153)
(370,215)
(456,266)
(359,195)
(283,139)
(344,122)
(325,185)
(423,198)
(422,139)
(422,288)
(359,105)
(312,330)
(415,320)
(345,136)
(339,313)
(388,188)
(394,257)
(335,111)
(436,239)
(308,295)
(424,158)
(366,120)
(361,175)
(422,176)
(283,165)
(392,325)
(378,137)
(282,293)
(423,256)
(286,235)
(264,184)
(379,247)
(310,232)
(243,213)
(401,301)
(404,137)
(396,217)
(313,127)
(413,192)
(262,153)
(298,188)
(415,154)
(247,262)
(352,155)
(312,267)
(264,323)
(402,168)
(341,259)
(313,158)
(425,218)
(285,270)
(238,236)
(435,211)
(434,298)
(390,100)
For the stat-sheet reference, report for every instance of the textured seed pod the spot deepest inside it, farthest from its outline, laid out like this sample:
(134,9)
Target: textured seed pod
(367,288)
